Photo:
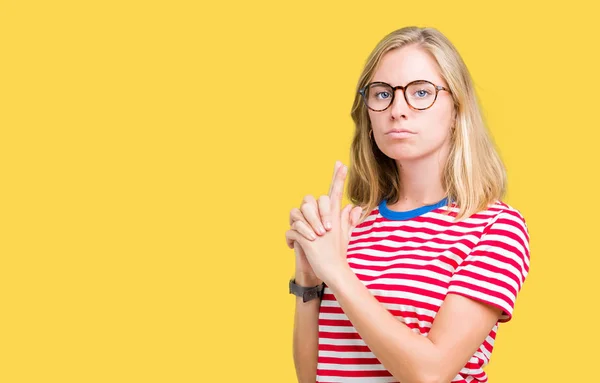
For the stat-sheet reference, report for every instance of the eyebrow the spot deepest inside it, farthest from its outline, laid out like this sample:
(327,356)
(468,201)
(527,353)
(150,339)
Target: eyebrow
(408,82)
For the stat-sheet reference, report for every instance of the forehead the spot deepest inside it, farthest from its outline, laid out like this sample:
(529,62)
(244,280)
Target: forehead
(406,64)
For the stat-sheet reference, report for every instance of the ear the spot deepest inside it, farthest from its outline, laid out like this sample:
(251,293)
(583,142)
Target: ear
(454,118)
(453,123)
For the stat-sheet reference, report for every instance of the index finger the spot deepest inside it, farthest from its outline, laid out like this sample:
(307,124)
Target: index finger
(337,189)
(335,169)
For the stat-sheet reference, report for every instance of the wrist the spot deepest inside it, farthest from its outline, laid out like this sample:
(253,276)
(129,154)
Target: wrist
(307,279)
(338,278)
(307,293)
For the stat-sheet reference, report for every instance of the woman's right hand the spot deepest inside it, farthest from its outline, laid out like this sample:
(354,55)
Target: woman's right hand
(312,219)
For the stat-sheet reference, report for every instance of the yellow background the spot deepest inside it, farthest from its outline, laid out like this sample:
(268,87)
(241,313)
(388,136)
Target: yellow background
(151,151)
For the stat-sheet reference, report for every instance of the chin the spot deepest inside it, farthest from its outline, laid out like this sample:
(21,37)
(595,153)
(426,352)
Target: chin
(411,151)
(404,153)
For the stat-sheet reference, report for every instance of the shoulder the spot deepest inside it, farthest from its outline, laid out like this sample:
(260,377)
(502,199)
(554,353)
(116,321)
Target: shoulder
(489,215)
(501,212)
(506,228)
(497,218)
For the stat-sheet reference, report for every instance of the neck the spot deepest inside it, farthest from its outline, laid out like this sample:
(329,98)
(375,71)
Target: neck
(420,183)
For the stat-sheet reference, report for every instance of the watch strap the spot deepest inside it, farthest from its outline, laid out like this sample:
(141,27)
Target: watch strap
(306,293)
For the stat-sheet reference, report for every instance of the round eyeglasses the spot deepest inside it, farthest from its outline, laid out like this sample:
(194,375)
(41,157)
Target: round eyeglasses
(419,94)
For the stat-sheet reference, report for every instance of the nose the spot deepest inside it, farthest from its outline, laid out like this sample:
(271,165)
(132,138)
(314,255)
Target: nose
(399,108)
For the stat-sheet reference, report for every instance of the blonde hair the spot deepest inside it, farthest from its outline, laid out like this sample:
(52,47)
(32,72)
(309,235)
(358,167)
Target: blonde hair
(473,176)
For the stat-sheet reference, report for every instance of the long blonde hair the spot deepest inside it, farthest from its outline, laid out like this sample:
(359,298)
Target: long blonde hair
(473,176)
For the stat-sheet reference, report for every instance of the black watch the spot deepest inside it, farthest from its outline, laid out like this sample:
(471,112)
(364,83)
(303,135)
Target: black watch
(307,293)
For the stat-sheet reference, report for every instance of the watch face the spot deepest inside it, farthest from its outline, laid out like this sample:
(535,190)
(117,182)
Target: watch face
(309,295)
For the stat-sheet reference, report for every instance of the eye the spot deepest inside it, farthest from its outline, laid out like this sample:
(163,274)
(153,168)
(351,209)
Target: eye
(422,93)
(382,95)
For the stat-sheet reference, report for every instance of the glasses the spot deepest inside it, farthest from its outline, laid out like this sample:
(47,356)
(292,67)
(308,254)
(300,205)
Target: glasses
(419,94)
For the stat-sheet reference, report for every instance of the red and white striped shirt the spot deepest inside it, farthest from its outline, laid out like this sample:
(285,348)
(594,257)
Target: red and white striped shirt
(410,261)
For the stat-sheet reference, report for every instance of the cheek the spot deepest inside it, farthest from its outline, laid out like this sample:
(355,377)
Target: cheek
(438,127)
(378,120)
(438,122)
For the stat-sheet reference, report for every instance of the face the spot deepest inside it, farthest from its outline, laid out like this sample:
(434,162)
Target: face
(427,132)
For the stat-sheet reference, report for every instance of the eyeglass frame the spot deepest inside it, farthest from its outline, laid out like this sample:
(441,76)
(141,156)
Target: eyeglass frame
(437,88)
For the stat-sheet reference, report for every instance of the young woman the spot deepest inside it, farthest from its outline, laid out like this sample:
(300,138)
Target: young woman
(409,282)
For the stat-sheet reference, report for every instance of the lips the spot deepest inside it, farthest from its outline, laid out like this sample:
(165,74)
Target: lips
(400,131)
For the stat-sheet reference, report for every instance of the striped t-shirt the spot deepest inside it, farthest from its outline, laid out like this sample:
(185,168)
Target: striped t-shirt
(410,261)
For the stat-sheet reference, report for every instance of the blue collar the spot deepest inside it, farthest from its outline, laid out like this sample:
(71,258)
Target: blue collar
(403,215)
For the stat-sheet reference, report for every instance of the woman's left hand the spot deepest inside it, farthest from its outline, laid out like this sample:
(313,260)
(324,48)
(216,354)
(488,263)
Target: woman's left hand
(327,253)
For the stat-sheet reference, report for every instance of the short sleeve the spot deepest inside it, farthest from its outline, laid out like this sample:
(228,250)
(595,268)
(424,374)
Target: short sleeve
(495,269)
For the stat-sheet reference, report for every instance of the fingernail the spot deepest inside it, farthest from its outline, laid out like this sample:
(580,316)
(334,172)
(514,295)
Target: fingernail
(328,225)
(321,230)
(312,236)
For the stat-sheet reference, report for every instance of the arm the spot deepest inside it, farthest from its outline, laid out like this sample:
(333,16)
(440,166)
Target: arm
(306,333)
(459,328)
(306,317)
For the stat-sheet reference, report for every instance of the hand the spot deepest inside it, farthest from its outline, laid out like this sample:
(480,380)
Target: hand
(314,218)
(327,254)
(317,215)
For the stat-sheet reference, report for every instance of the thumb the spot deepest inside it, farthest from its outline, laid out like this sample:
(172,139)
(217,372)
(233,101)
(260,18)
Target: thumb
(355,214)
(345,221)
